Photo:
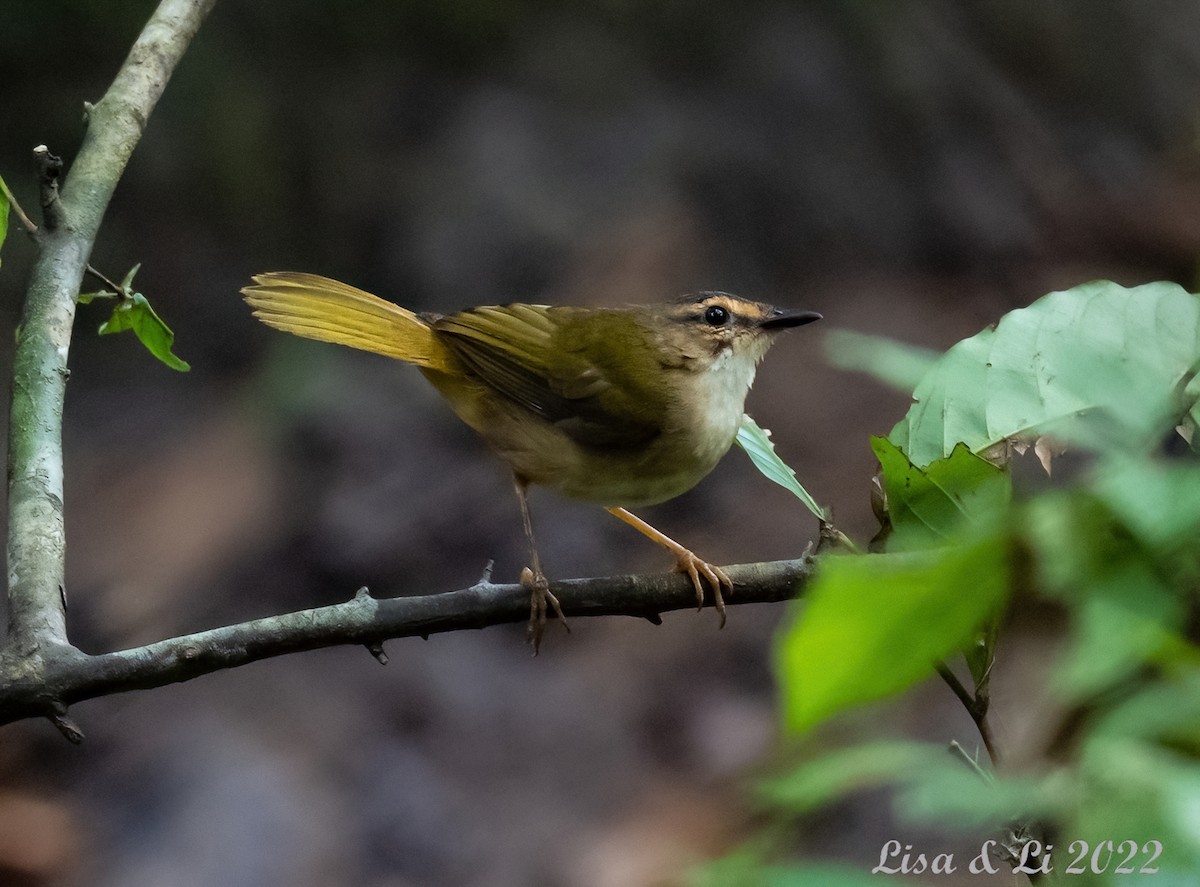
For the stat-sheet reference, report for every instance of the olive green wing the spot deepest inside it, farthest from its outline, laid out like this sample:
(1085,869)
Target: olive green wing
(538,358)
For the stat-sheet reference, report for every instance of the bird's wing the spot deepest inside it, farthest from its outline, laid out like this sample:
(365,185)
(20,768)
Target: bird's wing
(535,356)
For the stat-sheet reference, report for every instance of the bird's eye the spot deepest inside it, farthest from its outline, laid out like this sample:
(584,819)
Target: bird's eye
(715,315)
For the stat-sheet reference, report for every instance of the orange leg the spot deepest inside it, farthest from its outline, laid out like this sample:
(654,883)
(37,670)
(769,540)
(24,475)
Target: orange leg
(687,562)
(535,580)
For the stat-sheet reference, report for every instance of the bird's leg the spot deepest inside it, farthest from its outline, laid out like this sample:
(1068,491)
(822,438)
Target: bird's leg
(686,562)
(534,579)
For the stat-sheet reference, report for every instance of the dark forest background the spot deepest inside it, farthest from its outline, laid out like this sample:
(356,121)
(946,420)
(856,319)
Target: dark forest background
(909,169)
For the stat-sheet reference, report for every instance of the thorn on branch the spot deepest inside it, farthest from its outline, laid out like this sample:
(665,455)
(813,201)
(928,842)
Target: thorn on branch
(486,578)
(363,594)
(66,725)
(654,618)
(49,172)
(375,648)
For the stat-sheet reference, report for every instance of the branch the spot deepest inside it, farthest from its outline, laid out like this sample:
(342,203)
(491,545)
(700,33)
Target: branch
(71,675)
(977,707)
(72,212)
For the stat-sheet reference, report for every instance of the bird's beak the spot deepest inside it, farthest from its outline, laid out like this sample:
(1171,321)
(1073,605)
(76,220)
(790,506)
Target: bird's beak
(780,319)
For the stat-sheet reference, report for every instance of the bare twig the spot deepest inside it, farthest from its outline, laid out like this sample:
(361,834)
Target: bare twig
(32,229)
(976,706)
(104,279)
(70,675)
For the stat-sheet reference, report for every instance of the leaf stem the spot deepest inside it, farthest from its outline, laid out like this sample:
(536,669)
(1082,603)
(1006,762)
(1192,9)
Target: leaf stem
(106,280)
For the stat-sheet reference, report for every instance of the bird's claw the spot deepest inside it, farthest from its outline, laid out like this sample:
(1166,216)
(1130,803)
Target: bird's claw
(717,579)
(539,596)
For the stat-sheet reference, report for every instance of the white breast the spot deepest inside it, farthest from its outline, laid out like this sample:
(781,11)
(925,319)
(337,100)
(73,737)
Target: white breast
(724,386)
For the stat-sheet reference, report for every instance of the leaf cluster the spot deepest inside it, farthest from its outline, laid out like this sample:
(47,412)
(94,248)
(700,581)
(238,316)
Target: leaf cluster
(133,312)
(1108,374)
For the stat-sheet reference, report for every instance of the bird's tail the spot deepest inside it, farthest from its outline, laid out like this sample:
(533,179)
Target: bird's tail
(320,308)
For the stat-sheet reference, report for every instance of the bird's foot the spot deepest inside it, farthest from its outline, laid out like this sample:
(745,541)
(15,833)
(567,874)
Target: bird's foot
(539,596)
(717,579)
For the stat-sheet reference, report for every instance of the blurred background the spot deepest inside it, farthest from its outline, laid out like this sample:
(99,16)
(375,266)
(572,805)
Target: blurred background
(913,169)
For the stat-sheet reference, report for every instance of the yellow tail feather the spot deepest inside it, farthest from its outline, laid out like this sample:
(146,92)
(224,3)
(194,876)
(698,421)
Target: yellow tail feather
(320,308)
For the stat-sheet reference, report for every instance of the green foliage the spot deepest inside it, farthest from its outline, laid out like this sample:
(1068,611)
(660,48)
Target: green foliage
(1115,551)
(757,443)
(812,784)
(748,869)
(928,506)
(872,626)
(894,363)
(1099,366)
(133,312)
(136,314)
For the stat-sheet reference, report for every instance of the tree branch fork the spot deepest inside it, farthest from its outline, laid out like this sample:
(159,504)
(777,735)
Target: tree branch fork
(58,675)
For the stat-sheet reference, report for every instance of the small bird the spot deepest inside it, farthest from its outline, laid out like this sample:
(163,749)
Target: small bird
(623,407)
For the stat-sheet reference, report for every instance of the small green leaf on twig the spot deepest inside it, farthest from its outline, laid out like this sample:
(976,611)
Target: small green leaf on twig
(127,283)
(756,442)
(134,313)
(88,298)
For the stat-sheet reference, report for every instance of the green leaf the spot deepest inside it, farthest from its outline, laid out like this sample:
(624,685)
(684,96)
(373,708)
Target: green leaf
(1098,365)
(88,298)
(837,773)
(928,506)
(1158,501)
(1123,613)
(4,208)
(1168,711)
(893,363)
(136,314)
(981,654)
(954,797)
(873,625)
(1121,622)
(127,283)
(747,868)
(1133,791)
(757,443)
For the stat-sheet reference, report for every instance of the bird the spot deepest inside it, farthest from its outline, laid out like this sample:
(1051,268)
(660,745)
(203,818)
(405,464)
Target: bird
(624,407)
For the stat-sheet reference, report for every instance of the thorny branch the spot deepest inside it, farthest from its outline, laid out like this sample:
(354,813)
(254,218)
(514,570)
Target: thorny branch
(70,675)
